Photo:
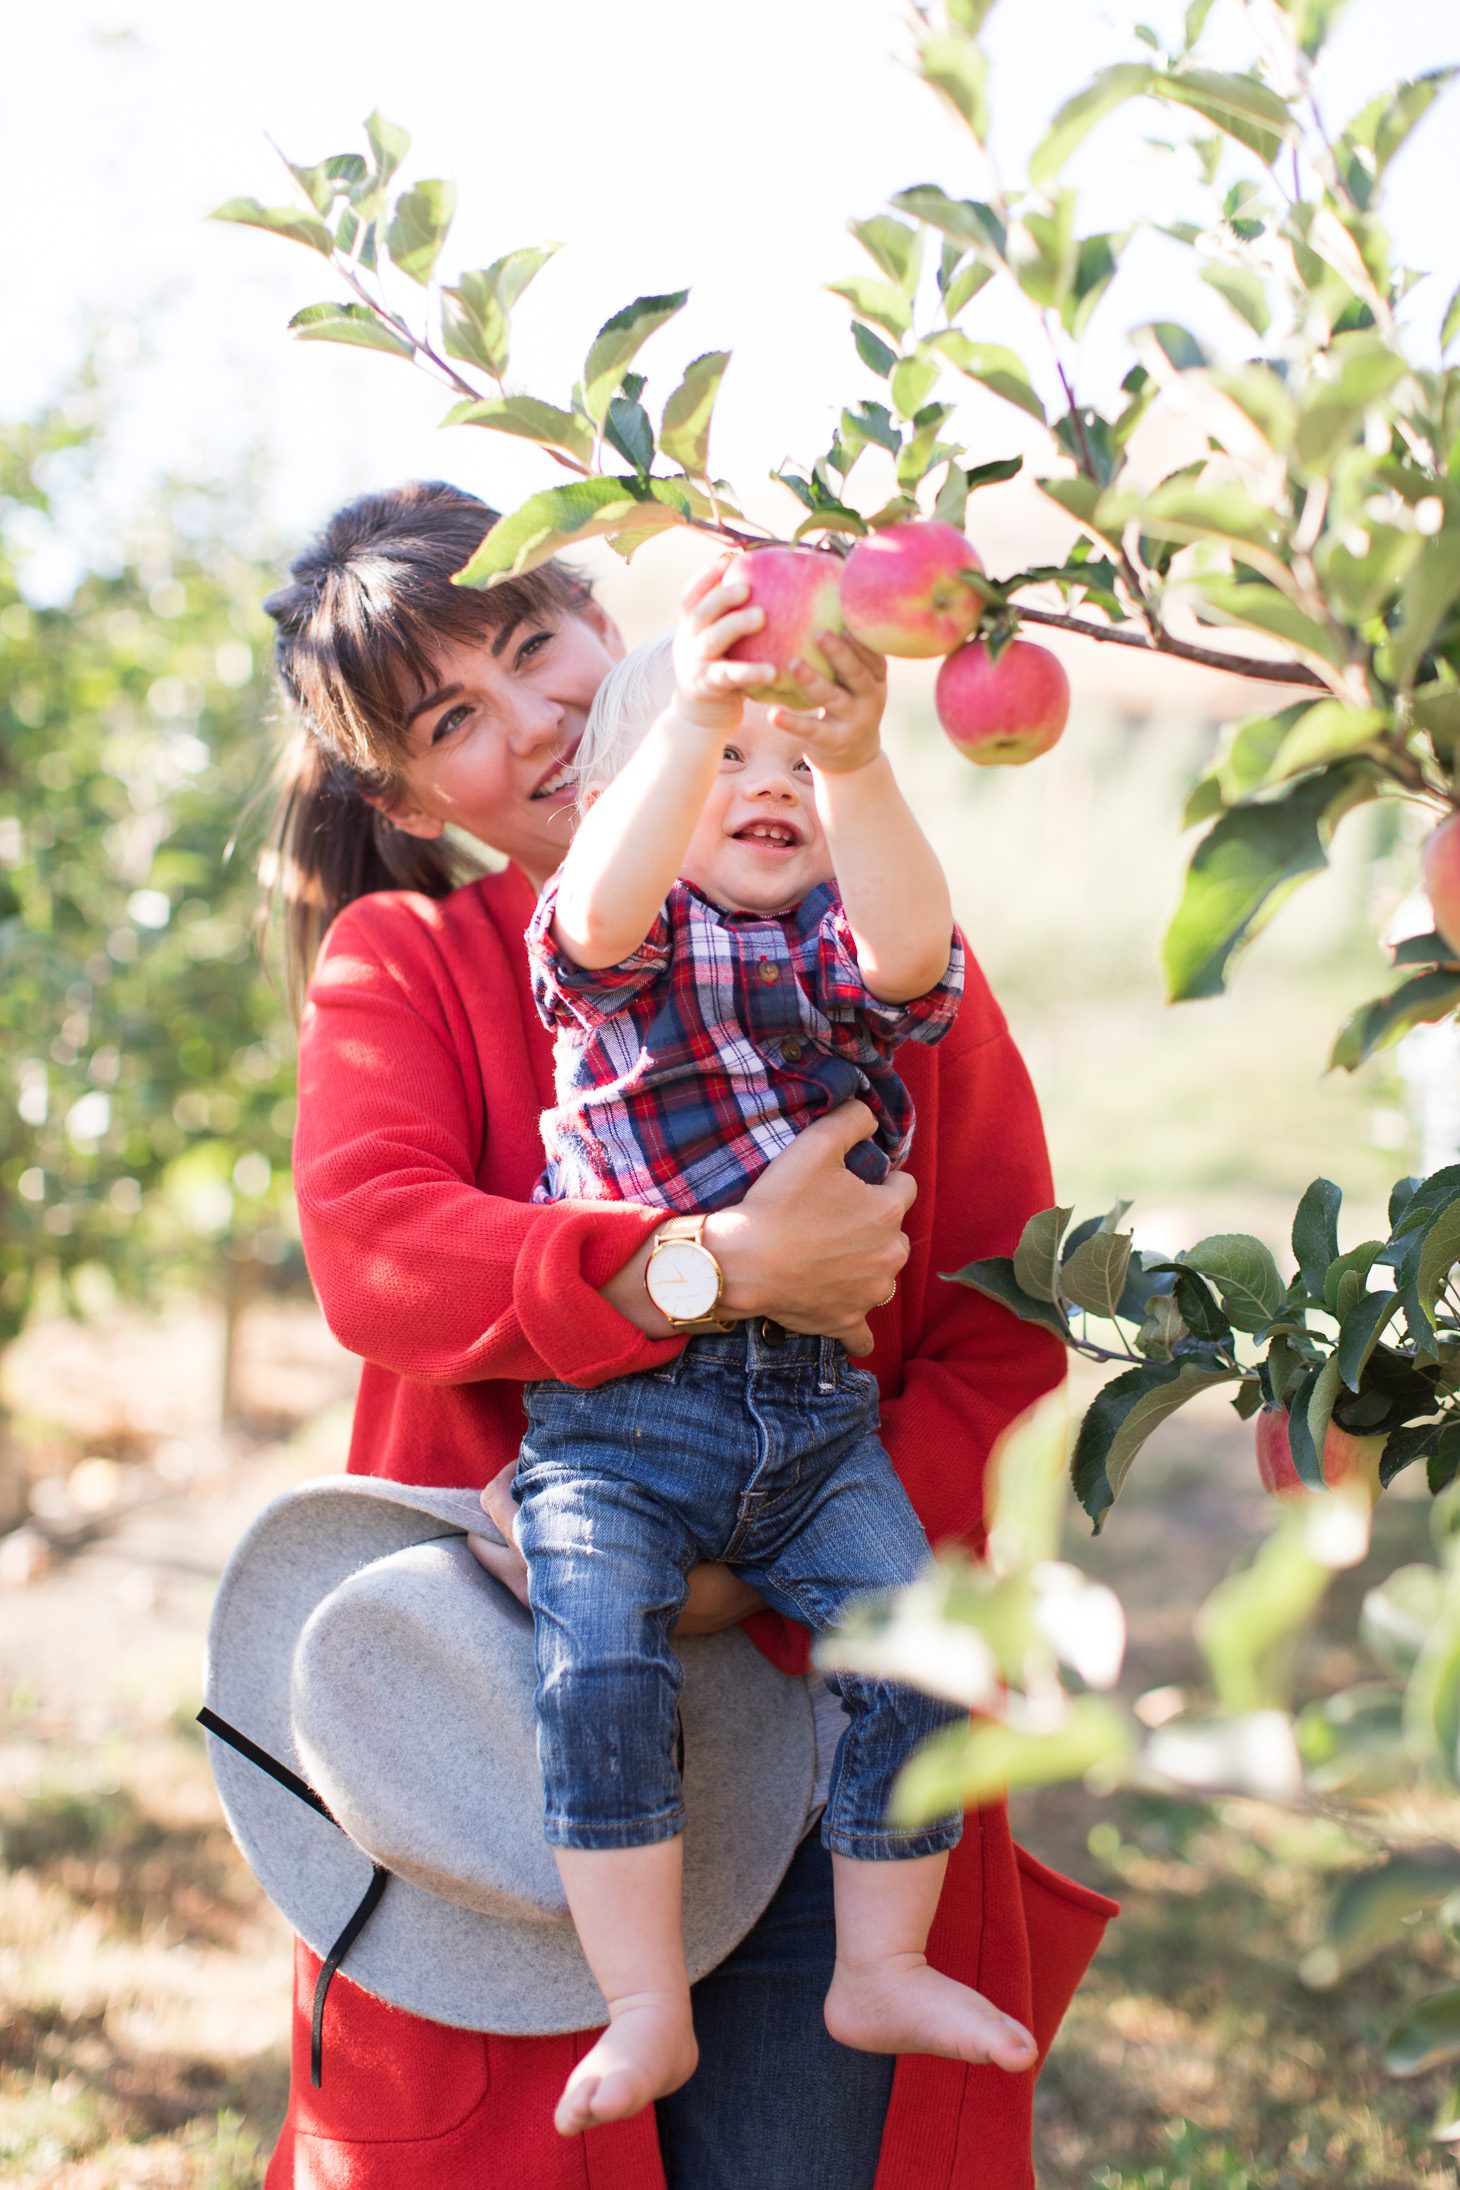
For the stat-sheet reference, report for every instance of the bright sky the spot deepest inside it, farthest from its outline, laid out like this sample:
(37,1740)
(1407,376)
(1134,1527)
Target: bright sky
(665,143)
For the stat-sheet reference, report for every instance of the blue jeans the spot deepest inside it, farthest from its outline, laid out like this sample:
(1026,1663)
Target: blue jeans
(776,2103)
(756,1448)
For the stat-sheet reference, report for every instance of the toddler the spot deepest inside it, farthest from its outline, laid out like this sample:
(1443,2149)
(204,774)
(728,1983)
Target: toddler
(747,925)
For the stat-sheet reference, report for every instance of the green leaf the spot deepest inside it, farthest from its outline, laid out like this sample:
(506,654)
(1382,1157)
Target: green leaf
(994,367)
(618,343)
(1364,370)
(995,1278)
(1244,1273)
(1425,2036)
(1094,1275)
(1186,510)
(628,430)
(1263,396)
(1326,732)
(1244,290)
(871,422)
(913,380)
(1346,1276)
(1163,1329)
(969,15)
(1382,126)
(872,350)
(1037,1256)
(1428,597)
(526,416)
(1096,266)
(894,248)
(279,220)
(389,144)
(1375,1025)
(1079,115)
(880,301)
(960,72)
(1260,607)
(983,1762)
(418,228)
(977,226)
(1241,873)
(354,324)
(1373,1909)
(685,434)
(1440,1253)
(1450,324)
(1315,1232)
(476,314)
(1242,107)
(550,521)
(1120,1420)
(1360,1332)
(1312,22)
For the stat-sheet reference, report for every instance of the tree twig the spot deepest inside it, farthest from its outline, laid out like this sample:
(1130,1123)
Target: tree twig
(1208,657)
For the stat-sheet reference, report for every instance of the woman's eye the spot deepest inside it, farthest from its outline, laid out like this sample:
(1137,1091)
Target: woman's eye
(449,723)
(533,646)
(732,753)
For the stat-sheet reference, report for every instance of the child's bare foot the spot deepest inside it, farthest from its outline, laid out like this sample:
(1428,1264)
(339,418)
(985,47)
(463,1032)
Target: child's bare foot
(900,2005)
(647,2051)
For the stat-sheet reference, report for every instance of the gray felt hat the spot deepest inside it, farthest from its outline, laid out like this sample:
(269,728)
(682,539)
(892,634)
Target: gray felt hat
(358,1647)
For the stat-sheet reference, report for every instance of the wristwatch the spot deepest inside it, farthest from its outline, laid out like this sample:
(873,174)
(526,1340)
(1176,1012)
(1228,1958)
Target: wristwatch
(682,1277)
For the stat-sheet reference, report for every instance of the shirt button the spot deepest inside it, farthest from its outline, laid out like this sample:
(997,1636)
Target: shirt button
(769,971)
(792,1051)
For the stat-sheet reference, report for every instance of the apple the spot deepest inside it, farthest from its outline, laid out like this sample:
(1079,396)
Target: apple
(800,592)
(1005,712)
(1346,1458)
(903,592)
(1440,865)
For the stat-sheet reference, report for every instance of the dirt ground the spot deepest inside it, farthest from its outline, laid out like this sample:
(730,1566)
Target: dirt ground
(145,1981)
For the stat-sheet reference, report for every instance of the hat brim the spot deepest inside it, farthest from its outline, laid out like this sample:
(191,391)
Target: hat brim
(748,1779)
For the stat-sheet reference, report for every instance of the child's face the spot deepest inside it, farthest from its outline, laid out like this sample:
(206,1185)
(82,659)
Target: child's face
(758,845)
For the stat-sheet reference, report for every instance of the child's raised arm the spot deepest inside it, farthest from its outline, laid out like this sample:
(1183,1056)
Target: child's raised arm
(891,883)
(633,838)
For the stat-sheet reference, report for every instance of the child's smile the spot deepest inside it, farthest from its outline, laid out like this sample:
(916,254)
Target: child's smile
(759,844)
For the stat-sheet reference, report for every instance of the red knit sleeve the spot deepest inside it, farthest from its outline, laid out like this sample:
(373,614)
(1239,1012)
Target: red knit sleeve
(416,1268)
(976,1365)
(971,1365)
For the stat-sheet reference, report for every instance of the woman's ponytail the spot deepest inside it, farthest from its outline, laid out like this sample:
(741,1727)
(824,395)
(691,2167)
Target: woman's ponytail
(327,846)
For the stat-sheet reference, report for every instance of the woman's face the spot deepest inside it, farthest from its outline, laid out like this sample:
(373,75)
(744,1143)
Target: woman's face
(491,742)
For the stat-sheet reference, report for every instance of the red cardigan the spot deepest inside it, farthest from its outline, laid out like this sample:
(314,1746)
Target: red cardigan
(423,1068)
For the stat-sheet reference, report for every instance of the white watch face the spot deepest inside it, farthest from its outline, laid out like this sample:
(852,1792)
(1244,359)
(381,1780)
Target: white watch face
(683,1280)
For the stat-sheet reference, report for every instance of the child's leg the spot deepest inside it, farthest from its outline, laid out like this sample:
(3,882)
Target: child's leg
(606,1565)
(625,1903)
(884,1997)
(854,1532)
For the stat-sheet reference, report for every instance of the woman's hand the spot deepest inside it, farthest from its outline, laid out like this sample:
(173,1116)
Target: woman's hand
(813,1245)
(717,1598)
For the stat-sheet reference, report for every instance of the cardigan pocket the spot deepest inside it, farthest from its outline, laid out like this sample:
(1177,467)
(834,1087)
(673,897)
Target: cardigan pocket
(1065,1922)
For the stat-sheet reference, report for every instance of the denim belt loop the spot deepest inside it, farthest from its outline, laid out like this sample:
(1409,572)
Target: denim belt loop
(826,1365)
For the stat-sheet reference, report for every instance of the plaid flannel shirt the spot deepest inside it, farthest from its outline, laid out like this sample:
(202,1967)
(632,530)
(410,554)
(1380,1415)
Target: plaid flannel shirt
(681,1072)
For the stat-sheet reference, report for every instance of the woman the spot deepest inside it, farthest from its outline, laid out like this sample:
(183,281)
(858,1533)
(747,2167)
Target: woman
(423,1069)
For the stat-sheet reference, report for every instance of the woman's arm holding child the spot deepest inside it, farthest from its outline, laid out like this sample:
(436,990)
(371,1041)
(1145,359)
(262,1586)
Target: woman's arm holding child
(632,839)
(887,873)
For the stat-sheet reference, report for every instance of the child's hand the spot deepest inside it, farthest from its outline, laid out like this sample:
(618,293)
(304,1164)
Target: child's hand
(845,731)
(711,619)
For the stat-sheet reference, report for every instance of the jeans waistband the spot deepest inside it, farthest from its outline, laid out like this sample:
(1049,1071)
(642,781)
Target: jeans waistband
(759,1343)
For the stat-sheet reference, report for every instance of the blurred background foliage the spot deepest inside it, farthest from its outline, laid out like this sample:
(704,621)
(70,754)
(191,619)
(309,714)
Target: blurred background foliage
(145,1124)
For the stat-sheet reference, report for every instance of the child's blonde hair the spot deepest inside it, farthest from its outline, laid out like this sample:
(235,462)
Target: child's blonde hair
(633,695)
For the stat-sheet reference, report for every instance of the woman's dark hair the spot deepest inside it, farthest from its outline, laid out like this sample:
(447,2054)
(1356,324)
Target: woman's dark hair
(371,600)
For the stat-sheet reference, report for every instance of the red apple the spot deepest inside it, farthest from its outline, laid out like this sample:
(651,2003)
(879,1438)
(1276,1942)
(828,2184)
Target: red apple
(1346,1458)
(1002,713)
(1440,865)
(902,592)
(800,591)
